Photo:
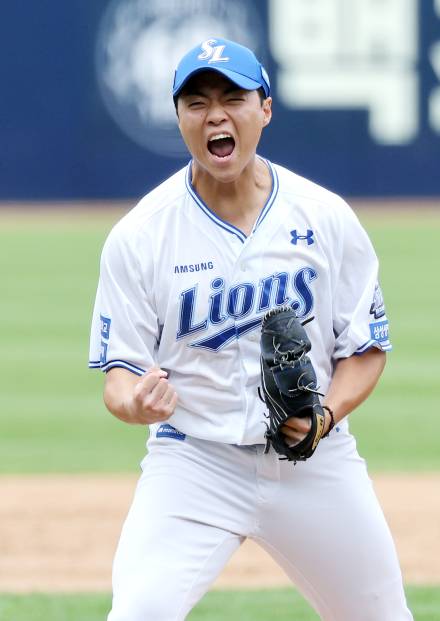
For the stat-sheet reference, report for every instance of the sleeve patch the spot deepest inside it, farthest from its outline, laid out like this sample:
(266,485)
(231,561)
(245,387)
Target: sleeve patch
(378,306)
(103,356)
(379,331)
(105,327)
(105,335)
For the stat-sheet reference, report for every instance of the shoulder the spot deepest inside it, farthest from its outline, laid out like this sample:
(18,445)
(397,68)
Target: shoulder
(167,195)
(298,189)
(164,199)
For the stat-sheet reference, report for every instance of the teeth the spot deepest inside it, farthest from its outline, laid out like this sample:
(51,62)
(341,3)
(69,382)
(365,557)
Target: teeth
(219,137)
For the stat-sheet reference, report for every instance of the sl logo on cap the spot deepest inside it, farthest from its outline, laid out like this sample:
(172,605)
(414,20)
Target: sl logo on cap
(211,52)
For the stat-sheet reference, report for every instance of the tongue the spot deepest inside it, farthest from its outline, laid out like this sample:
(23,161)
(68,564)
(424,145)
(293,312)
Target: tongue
(222,147)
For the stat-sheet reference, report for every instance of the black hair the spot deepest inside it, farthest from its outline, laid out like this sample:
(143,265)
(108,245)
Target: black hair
(260,92)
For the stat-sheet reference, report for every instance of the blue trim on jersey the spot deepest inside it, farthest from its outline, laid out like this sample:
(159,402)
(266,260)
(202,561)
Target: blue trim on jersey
(230,228)
(111,364)
(211,215)
(272,197)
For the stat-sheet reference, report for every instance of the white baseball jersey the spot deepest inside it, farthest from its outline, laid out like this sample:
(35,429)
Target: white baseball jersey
(183,289)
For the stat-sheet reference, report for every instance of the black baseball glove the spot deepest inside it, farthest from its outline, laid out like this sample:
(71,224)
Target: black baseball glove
(289,383)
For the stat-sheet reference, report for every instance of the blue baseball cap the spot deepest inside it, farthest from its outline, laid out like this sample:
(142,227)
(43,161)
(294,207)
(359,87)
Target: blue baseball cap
(234,61)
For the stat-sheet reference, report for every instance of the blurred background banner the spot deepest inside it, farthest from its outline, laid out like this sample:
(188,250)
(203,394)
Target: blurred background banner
(86,110)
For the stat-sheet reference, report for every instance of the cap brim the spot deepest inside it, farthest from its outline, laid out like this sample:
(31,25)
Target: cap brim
(238,79)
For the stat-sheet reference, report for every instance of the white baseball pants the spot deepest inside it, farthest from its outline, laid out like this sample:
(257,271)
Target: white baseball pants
(197,501)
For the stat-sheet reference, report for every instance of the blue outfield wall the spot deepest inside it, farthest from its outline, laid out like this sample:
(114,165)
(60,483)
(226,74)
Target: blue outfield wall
(86,110)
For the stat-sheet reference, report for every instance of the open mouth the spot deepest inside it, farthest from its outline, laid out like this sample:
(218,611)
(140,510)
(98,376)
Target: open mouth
(221,145)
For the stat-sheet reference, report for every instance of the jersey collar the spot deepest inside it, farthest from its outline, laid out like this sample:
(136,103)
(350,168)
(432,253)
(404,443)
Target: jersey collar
(230,228)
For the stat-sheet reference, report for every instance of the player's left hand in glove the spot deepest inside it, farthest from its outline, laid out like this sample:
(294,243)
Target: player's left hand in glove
(289,384)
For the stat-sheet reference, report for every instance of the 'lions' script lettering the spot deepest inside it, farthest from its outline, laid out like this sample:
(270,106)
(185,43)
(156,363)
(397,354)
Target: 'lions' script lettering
(240,301)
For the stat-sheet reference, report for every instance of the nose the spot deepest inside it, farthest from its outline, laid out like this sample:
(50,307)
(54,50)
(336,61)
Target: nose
(216,113)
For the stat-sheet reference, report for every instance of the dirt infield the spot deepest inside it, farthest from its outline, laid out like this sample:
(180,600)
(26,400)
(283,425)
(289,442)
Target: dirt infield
(58,533)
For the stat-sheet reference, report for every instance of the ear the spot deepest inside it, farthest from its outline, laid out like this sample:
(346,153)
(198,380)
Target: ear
(267,111)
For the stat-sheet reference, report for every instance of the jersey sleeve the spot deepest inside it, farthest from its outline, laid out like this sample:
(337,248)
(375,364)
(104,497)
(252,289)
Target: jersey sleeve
(359,317)
(124,330)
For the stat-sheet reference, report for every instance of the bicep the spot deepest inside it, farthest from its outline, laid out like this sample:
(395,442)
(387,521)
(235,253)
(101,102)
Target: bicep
(371,361)
(125,328)
(359,318)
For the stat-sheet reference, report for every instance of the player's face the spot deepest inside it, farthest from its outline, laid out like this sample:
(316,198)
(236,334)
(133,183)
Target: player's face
(221,124)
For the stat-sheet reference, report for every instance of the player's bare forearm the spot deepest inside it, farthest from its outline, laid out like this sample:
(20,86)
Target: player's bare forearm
(139,400)
(353,380)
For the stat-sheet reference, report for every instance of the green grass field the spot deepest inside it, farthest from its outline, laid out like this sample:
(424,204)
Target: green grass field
(388,426)
(52,419)
(271,605)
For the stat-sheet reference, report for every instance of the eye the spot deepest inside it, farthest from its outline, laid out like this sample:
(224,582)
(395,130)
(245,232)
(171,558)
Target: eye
(195,104)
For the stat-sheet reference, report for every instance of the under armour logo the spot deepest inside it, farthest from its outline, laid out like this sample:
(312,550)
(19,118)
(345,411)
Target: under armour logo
(308,237)
(212,52)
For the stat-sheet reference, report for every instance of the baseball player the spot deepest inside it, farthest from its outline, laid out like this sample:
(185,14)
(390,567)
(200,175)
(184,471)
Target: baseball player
(186,279)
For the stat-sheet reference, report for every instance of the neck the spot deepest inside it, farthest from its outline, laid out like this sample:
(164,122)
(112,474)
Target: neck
(240,201)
